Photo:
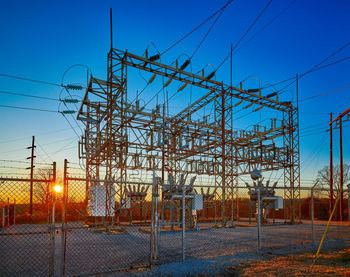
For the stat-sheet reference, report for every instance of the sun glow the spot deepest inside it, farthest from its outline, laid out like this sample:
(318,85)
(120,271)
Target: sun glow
(57,188)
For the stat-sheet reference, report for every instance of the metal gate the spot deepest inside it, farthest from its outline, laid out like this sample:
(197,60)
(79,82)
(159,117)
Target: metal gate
(102,232)
(26,234)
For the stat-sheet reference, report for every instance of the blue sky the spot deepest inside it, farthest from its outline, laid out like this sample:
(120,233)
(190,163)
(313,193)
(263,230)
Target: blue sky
(41,39)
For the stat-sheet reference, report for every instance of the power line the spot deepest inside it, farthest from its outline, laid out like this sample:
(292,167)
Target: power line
(310,71)
(316,152)
(13,173)
(20,149)
(33,109)
(42,149)
(30,80)
(71,125)
(267,24)
(246,32)
(70,86)
(23,162)
(13,167)
(324,93)
(207,33)
(41,133)
(205,21)
(331,55)
(318,132)
(27,95)
(314,68)
(314,125)
(28,108)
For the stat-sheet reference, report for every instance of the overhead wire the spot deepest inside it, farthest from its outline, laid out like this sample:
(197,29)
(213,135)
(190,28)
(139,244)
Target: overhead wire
(24,162)
(315,153)
(243,36)
(71,125)
(28,108)
(324,93)
(267,24)
(201,24)
(319,132)
(314,68)
(41,133)
(42,149)
(21,149)
(207,33)
(27,95)
(30,80)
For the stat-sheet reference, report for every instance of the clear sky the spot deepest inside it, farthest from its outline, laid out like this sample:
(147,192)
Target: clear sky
(41,39)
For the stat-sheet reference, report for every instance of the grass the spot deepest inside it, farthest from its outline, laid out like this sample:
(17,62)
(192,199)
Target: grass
(331,263)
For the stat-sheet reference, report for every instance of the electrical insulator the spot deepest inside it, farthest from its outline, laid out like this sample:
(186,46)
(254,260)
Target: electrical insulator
(182,87)
(168,82)
(271,95)
(211,75)
(70,101)
(248,106)
(68,112)
(185,64)
(74,87)
(152,79)
(258,109)
(154,57)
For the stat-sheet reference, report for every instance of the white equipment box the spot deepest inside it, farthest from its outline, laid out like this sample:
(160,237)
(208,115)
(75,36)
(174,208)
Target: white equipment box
(197,202)
(100,203)
(279,203)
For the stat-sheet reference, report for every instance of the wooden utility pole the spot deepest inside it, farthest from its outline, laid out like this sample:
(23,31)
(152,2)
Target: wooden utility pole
(31,175)
(341,204)
(339,119)
(330,165)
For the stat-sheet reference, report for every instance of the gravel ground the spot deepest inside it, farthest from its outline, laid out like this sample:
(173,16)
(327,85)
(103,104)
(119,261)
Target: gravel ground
(226,265)
(206,250)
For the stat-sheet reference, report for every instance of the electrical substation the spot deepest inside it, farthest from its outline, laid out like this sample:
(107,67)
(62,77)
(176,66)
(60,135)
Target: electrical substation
(174,162)
(121,136)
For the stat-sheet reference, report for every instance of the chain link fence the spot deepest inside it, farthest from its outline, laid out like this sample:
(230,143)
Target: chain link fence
(25,235)
(101,226)
(96,243)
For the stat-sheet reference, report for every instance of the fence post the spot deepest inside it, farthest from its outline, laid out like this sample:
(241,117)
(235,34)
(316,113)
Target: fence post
(232,208)
(183,222)
(259,220)
(154,238)
(14,211)
(349,204)
(52,236)
(63,230)
(312,217)
(8,211)
(3,219)
(52,230)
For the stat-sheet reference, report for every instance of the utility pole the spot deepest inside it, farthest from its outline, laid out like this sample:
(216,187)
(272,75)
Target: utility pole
(31,174)
(341,168)
(330,165)
(298,149)
(339,118)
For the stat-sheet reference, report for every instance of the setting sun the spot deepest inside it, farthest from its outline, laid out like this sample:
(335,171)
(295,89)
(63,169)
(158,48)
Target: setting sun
(57,188)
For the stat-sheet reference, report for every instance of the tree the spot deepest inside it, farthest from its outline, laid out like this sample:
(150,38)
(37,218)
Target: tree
(42,189)
(323,178)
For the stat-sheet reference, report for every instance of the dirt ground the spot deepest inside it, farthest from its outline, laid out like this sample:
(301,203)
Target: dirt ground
(331,263)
